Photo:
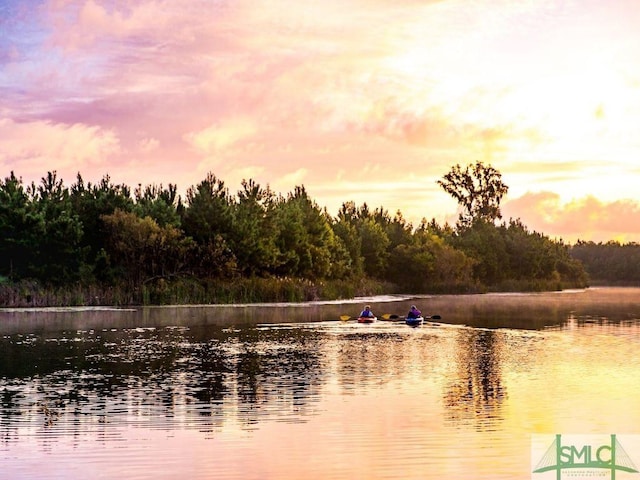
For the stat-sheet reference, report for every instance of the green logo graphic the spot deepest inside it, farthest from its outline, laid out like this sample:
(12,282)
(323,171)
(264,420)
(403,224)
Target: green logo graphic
(608,456)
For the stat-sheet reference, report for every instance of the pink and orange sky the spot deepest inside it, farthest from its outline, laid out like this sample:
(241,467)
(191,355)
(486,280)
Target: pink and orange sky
(364,100)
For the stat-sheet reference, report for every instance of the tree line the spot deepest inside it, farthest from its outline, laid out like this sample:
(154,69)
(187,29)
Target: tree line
(106,243)
(609,263)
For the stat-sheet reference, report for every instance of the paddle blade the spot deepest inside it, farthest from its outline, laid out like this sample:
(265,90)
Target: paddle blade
(344,318)
(435,317)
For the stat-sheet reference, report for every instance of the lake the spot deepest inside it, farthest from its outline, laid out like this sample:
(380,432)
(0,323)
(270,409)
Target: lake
(289,391)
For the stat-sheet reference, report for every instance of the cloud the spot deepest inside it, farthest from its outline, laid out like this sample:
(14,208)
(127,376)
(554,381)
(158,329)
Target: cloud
(30,148)
(148,145)
(222,136)
(291,180)
(585,218)
(79,25)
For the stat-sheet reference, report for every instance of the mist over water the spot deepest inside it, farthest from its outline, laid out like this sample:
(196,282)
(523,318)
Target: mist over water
(290,391)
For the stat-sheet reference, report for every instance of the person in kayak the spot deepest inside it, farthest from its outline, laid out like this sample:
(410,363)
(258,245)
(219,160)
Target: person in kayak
(414,312)
(367,312)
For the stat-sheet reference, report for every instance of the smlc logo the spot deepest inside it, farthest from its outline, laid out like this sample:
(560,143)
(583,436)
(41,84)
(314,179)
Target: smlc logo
(581,456)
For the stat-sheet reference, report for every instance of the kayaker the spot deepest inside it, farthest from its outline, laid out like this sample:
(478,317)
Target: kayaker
(414,312)
(367,312)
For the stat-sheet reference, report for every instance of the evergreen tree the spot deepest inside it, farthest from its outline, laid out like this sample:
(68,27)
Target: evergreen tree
(59,253)
(21,229)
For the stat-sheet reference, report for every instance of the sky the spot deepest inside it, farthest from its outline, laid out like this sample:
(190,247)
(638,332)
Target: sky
(370,101)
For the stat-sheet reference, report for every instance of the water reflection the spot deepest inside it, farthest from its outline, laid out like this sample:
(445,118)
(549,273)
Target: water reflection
(155,393)
(476,392)
(370,358)
(156,377)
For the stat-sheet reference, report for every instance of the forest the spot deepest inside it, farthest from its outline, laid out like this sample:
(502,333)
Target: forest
(610,263)
(108,244)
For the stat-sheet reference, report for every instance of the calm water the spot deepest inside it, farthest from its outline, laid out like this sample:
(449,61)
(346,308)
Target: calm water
(289,392)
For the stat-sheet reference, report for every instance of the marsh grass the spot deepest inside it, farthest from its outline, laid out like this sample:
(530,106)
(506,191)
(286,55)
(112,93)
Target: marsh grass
(188,291)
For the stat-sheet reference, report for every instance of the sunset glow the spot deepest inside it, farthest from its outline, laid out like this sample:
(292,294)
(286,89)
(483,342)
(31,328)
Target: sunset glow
(364,100)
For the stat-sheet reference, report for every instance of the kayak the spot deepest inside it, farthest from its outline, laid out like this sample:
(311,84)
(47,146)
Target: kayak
(367,319)
(414,322)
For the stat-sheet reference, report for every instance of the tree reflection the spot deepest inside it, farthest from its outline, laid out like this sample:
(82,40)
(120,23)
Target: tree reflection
(370,358)
(157,377)
(477,392)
